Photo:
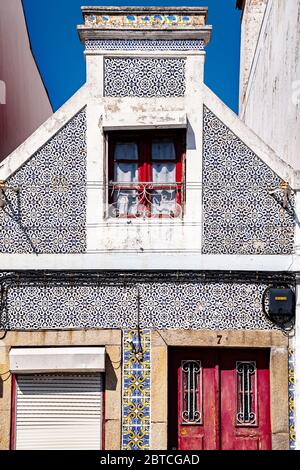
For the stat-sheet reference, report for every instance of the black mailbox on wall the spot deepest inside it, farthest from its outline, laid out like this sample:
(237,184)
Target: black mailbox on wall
(281,302)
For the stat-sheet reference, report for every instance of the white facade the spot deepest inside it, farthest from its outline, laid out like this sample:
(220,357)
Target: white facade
(252,18)
(108,247)
(74,274)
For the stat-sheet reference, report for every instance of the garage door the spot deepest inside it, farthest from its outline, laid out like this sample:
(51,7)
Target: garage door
(58,411)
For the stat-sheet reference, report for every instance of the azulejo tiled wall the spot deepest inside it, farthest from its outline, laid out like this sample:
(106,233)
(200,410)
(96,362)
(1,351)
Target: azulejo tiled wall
(136,307)
(144,44)
(47,215)
(162,305)
(66,306)
(144,77)
(136,403)
(240,215)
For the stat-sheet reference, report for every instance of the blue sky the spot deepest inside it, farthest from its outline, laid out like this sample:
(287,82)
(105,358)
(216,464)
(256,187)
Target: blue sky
(59,54)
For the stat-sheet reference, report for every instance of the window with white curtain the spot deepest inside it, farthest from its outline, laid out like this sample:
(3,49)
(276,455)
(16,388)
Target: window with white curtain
(146,174)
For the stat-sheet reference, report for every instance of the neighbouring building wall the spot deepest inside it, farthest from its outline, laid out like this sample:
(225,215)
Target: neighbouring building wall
(253,15)
(269,102)
(24,103)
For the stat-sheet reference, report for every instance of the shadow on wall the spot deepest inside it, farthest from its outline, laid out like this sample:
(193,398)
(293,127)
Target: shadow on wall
(191,140)
(16,216)
(110,375)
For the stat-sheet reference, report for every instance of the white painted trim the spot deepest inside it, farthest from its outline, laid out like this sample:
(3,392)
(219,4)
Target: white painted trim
(89,33)
(146,10)
(158,120)
(43,134)
(151,260)
(139,53)
(37,360)
(255,143)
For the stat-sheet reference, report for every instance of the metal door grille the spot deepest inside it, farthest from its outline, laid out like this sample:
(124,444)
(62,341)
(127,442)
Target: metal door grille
(246,384)
(191,379)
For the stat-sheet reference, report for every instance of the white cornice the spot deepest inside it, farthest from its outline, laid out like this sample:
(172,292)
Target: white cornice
(162,261)
(86,33)
(147,9)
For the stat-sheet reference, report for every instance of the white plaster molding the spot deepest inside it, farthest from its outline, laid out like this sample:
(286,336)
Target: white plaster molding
(37,360)
(252,140)
(125,10)
(156,120)
(136,111)
(43,134)
(194,143)
(139,53)
(88,32)
(151,260)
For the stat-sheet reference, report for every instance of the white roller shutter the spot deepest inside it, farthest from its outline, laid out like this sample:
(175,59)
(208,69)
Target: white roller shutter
(58,411)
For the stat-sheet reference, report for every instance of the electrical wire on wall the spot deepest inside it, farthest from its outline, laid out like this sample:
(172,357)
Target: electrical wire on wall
(285,322)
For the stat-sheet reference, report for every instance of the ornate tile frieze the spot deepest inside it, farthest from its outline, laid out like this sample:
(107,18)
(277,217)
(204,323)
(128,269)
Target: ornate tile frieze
(58,307)
(292,399)
(144,45)
(162,305)
(136,403)
(142,21)
(47,214)
(144,77)
(244,211)
(203,306)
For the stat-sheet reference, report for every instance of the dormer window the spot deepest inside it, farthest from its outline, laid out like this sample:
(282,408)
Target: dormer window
(146,174)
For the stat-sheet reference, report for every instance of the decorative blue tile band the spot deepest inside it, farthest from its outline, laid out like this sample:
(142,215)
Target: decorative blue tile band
(48,213)
(292,399)
(241,212)
(136,406)
(144,45)
(150,21)
(163,305)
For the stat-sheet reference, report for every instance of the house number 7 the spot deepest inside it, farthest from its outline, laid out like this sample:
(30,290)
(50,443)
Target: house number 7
(219,339)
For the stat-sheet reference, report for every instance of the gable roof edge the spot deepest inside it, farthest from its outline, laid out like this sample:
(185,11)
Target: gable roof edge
(250,138)
(43,134)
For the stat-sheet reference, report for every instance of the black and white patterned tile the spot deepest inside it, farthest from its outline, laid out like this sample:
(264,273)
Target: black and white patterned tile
(240,215)
(144,45)
(144,77)
(207,305)
(48,213)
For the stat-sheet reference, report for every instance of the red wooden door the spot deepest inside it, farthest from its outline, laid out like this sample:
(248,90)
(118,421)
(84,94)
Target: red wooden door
(245,420)
(219,399)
